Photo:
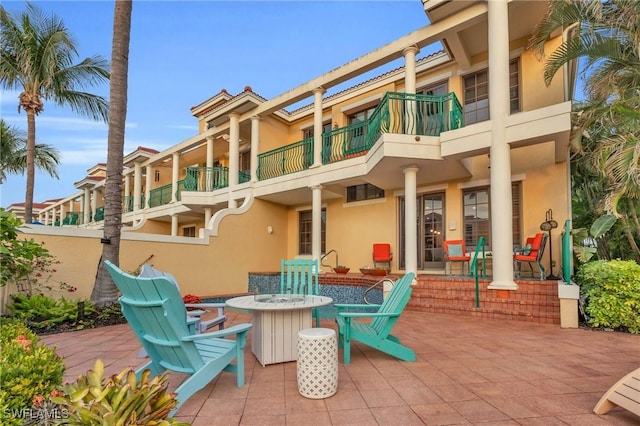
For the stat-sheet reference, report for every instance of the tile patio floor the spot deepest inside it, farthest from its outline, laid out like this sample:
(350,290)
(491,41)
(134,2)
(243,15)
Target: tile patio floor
(469,371)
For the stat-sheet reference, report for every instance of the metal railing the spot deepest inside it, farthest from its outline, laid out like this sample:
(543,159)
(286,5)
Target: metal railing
(327,254)
(162,195)
(287,159)
(480,247)
(403,113)
(567,253)
(382,281)
(206,179)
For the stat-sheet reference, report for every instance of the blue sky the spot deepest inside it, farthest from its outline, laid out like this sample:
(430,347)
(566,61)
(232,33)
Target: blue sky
(183,52)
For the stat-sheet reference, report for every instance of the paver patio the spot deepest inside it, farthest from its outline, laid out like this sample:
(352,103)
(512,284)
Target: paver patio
(468,371)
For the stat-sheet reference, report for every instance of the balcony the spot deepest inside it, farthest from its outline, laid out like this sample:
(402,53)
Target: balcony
(162,195)
(402,113)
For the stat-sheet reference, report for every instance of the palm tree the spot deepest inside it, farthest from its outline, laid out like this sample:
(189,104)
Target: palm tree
(36,58)
(104,290)
(13,153)
(605,135)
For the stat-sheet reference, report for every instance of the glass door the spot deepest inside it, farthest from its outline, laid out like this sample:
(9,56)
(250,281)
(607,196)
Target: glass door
(431,233)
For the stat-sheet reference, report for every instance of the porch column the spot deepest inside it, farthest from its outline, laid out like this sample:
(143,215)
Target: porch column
(209,174)
(234,152)
(207,216)
(61,213)
(174,225)
(46,217)
(137,186)
(317,126)
(86,201)
(500,173)
(410,68)
(316,222)
(71,205)
(147,189)
(255,146)
(127,192)
(175,174)
(94,203)
(410,217)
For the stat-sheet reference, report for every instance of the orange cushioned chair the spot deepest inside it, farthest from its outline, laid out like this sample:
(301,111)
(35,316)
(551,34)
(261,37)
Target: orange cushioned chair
(531,253)
(382,254)
(455,251)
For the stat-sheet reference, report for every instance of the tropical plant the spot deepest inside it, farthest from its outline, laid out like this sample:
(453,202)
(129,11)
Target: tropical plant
(121,399)
(611,292)
(606,36)
(29,371)
(104,290)
(13,153)
(592,241)
(36,58)
(44,312)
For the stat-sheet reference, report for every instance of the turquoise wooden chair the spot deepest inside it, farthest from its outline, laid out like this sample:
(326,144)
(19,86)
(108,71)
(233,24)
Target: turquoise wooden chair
(300,276)
(157,315)
(376,333)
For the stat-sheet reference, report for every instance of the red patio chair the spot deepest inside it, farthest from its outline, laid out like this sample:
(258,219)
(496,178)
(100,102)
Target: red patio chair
(531,253)
(382,254)
(455,251)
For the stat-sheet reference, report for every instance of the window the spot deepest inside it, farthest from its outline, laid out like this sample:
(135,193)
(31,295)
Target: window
(189,231)
(305,232)
(308,132)
(476,93)
(477,218)
(365,191)
(357,134)
(245,162)
(430,117)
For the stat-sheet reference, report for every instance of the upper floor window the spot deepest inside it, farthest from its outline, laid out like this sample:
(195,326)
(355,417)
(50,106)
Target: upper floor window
(365,191)
(189,231)
(476,93)
(308,132)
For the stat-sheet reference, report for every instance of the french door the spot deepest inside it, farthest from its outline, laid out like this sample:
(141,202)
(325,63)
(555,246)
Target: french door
(430,230)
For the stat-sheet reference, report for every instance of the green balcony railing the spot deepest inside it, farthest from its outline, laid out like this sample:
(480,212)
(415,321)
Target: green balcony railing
(403,113)
(99,214)
(162,195)
(204,179)
(287,159)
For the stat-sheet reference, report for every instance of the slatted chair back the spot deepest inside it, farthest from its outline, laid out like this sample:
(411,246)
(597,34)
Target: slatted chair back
(299,276)
(395,302)
(155,310)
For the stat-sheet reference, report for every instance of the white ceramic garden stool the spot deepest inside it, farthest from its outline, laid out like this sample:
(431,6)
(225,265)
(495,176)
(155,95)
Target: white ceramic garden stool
(317,363)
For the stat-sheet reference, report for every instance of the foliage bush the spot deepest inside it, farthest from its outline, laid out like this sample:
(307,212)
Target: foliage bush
(46,312)
(612,293)
(29,371)
(121,399)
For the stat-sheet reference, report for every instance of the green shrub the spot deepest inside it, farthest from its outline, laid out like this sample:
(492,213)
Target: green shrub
(29,371)
(42,312)
(612,293)
(117,400)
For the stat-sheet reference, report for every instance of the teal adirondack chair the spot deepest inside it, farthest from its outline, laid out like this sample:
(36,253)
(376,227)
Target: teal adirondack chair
(376,333)
(156,313)
(300,276)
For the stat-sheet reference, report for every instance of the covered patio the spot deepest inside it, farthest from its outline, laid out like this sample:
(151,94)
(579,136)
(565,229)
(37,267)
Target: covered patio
(469,371)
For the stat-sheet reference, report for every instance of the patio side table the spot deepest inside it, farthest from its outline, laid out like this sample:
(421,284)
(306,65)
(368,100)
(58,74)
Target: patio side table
(317,367)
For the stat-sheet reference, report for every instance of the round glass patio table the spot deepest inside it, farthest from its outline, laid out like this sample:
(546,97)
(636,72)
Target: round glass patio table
(276,319)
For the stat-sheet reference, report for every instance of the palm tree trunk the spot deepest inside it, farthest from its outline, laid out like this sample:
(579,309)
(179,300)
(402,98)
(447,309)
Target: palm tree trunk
(31,169)
(104,290)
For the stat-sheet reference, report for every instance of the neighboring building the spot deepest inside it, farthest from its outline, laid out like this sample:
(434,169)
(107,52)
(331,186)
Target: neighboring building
(462,143)
(18,209)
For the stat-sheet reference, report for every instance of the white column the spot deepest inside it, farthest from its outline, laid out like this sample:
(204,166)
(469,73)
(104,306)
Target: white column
(94,203)
(317,126)
(255,146)
(500,173)
(137,186)
(61,213)
(316,222)
(175,174)
(410,119)
(147,188)
(174,225)
(86,201)
(207,216)
(127,191)
(71,205)
(209,174)
(410,218)
(46,217)
(234,152)
(410,68)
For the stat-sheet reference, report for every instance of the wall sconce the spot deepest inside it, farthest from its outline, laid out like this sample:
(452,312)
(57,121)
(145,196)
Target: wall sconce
(270,229)
(157,175)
